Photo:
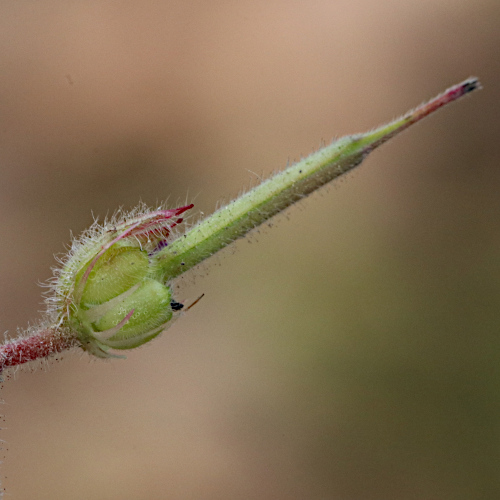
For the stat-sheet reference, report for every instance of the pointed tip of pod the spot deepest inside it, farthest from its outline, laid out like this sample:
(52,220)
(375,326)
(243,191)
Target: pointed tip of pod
(471,84)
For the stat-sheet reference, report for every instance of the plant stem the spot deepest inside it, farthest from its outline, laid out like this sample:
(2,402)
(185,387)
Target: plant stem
(261,203)
(41,344)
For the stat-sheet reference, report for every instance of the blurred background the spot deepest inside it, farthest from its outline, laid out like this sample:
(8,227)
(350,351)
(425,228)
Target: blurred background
(350,352)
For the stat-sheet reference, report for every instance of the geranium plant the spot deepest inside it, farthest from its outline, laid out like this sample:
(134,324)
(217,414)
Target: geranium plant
(113,291)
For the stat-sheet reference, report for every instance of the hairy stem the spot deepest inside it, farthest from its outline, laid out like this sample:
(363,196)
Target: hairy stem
(285,188)
(41,344)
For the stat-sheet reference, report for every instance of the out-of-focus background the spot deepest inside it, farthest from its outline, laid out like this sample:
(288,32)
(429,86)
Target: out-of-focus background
(351,352)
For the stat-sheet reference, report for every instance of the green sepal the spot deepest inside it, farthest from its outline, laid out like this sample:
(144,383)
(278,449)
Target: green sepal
(116,271)
(151,306)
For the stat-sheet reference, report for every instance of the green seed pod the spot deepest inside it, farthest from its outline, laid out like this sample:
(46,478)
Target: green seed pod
(109,292)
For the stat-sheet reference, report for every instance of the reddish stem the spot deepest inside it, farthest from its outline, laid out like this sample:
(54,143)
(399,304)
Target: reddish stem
(400,124)
(40,345)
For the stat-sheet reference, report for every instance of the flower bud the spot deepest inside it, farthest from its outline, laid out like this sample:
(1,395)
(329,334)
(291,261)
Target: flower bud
(108,292)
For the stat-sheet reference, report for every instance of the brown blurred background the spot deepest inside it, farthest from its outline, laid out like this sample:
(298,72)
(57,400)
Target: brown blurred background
(351,352)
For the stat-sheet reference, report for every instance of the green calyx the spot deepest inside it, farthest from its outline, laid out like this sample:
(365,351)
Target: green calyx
(111,296)
(118,305)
